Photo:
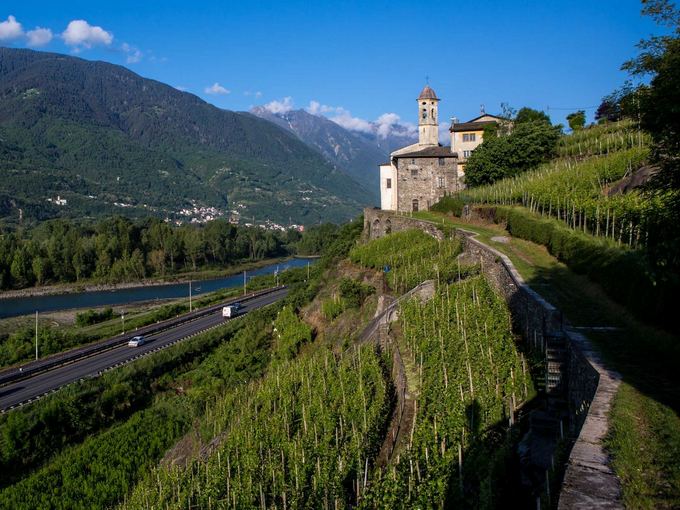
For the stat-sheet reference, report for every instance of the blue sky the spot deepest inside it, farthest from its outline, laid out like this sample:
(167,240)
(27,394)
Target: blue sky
(360,60)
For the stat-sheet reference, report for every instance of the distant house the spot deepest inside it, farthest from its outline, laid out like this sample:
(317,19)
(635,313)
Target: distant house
(419,175)
(466,136)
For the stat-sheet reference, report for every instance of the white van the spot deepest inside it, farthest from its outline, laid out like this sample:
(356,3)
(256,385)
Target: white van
(230,311)
(136,341)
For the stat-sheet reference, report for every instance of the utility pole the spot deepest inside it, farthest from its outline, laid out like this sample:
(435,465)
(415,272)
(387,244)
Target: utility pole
(308,270)
(277,275)
(244,283)
(122,318)
(189,296)
(36,334)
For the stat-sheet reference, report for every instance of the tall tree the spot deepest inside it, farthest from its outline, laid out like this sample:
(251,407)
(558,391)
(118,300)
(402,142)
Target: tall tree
(577,120)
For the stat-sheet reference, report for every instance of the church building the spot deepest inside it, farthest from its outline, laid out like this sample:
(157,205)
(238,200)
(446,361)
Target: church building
(419,175)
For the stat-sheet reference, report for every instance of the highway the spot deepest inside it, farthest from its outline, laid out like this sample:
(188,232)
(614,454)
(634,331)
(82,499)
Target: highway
(29,389)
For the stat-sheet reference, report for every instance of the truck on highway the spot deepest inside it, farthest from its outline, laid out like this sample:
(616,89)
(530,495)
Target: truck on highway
(231,310)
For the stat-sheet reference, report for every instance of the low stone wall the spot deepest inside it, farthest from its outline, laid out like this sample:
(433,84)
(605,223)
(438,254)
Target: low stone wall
(589,481)
(378,223)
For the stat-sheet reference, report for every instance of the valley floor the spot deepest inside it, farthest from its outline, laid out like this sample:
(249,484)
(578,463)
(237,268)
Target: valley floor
(644,437)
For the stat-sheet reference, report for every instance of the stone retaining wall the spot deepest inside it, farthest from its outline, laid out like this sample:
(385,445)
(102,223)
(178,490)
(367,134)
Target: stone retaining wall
(589,481)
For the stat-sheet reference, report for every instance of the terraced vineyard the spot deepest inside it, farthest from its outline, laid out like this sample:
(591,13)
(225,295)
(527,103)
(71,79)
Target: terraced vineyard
(575,188)
(302,437)
(470,375)
(411,257)
(308,433)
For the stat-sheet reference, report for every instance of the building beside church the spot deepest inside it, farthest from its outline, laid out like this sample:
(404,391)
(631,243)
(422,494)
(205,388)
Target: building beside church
(466,136)
(419,175)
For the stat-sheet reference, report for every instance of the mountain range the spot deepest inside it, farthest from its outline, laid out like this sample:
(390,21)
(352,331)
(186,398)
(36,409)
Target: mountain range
(105,140)
(355,152)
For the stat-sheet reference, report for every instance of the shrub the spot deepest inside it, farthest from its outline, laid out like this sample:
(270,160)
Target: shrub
(93,317)
(332,308)
(623,273)
(449,205)
(354,293)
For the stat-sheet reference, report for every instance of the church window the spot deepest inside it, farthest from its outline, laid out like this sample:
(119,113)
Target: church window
(424,113)
(414,204)
(388,184)
(469,137)
(440,181)
(433,113)
(413,161)
(442,161)
(414,172)
(424,103)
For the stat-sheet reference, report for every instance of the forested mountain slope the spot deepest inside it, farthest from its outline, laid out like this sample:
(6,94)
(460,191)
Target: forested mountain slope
(99,135)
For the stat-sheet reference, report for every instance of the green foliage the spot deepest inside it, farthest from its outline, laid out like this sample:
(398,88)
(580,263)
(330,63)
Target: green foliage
(603,139)
(290,333)
(333,307)
(354,292)
(527,114)
(623,273)
(527,146)
(575,193)
(116,249)
(623,103)
(468,370)
(93,317)
(101,470)
(311,426)
(32,434)
(93,129)
(449,204)
(577,120)
(411,257)
(316,239)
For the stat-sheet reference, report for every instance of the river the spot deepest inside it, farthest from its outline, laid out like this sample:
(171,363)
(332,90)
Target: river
(25,305)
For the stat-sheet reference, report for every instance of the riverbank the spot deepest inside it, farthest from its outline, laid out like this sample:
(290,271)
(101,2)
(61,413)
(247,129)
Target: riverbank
(94,286)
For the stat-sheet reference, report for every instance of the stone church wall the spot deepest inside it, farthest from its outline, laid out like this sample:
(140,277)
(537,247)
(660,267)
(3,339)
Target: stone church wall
(424,186)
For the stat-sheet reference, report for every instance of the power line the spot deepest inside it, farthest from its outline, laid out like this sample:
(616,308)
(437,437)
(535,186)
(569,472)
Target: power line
(577,108)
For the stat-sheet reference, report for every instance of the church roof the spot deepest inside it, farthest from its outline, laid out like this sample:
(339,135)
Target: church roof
(436,151)
(427,93)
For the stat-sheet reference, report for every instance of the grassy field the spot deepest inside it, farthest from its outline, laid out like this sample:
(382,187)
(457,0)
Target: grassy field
(645,431)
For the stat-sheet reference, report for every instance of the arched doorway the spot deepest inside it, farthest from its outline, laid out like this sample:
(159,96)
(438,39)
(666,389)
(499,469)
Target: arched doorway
(375,229)
(414,205)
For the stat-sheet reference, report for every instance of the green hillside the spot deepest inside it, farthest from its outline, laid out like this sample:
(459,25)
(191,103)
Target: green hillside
(108,140)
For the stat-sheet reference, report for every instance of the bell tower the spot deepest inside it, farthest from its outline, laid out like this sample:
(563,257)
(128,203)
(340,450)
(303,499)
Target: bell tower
(428,117)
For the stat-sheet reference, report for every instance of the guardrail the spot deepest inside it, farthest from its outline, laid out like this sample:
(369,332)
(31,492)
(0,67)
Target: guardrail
(35,367)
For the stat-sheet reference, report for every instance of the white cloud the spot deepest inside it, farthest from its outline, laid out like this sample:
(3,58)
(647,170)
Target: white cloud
(316,108)
(134,54)
(80,34)
(344,118)
(444,134)
(385,123)
(10,29)
(216,89)
(38,37)
(283,106)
